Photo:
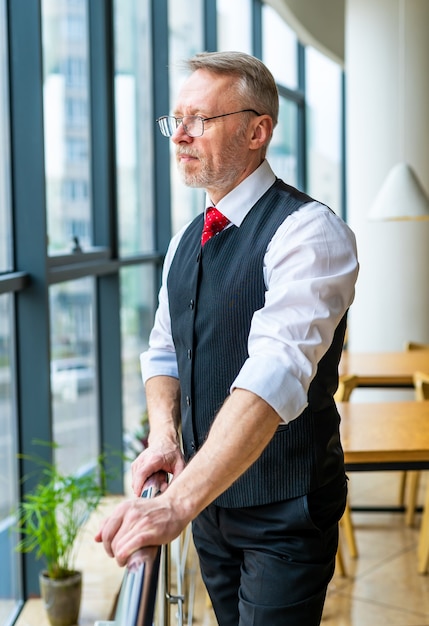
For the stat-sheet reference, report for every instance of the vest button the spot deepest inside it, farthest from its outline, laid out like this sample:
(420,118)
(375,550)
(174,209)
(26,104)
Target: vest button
(188,401)
(189,354)
(191,304)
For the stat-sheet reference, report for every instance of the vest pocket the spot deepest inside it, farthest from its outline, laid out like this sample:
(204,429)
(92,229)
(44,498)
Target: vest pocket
(282,427)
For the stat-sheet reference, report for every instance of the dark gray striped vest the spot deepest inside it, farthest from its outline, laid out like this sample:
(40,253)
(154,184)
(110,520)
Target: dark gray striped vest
(213,293)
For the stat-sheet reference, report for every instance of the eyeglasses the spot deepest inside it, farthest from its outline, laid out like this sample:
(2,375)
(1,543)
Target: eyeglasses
(193,125)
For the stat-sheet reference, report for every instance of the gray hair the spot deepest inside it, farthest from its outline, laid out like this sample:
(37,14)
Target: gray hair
(255,83)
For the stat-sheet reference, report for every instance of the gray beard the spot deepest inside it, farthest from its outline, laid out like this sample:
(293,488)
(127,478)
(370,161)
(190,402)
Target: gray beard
(225,176)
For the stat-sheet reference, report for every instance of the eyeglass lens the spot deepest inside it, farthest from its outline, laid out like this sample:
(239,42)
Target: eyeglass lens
(167,125)
(192,125)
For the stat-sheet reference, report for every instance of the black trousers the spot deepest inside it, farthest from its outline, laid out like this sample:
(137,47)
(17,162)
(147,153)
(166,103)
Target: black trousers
(270,565)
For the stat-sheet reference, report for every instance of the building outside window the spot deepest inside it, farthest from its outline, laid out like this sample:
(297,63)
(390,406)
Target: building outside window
(66,119)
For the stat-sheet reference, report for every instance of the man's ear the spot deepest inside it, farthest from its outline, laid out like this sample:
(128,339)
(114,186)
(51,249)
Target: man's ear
(262,129)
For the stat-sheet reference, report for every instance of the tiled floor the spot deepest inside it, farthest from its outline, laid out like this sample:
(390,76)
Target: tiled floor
(382,586)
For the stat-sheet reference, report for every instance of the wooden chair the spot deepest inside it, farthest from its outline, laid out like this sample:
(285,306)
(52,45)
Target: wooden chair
(415,345)
(346,385)
(410,480)
(421,385)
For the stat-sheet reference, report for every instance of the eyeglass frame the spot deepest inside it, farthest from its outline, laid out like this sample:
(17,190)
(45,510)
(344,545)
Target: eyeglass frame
(179,120)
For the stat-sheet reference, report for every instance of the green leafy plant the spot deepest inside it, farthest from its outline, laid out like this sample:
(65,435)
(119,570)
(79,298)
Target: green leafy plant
(50,516)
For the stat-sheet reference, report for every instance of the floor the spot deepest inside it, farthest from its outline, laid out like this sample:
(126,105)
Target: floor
(382,587)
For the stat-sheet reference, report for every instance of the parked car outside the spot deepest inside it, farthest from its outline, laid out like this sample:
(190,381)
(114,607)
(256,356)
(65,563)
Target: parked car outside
(71,376)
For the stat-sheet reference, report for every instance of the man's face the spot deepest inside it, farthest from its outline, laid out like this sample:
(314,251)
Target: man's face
(219,159)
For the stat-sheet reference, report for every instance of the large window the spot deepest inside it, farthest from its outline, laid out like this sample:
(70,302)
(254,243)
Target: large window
(234,25)
(279,48)
(10,581)
(283,149)
(324,129)
(74,374)
(5,225)
(66,122)
(280,53)
(134,127)
(138,287)
(185,20)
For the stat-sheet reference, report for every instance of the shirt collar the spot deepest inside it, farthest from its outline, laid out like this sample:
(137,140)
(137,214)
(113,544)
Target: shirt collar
(238,202)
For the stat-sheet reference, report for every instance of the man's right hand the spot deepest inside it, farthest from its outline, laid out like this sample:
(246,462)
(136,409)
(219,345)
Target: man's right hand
(165,456)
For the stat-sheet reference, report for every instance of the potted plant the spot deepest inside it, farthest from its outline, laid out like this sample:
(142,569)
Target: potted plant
(49,520)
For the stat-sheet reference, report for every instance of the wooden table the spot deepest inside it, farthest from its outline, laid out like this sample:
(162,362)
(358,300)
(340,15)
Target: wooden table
(385,369)
(385,435)
(389,436)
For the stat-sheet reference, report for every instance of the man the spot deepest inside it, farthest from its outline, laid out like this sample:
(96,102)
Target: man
(244,358)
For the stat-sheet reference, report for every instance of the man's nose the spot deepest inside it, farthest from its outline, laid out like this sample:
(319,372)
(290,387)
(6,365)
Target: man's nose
(180,136)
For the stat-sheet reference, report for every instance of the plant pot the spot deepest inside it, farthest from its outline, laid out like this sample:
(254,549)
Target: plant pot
(61,598)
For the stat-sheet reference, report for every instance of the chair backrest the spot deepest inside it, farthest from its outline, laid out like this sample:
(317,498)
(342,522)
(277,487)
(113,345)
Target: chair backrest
(415,345)
(421,385)
(346,384)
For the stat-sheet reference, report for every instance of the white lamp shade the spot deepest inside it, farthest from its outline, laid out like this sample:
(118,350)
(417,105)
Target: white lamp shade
(401,197)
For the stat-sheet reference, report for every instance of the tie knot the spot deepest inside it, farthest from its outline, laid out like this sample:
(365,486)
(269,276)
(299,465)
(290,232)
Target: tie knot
(214,222)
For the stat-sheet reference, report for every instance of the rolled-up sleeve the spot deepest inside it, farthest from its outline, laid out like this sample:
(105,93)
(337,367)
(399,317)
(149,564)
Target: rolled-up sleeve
(310,270)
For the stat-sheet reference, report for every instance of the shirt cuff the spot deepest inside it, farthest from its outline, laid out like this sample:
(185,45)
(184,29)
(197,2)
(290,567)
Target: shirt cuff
(158,363)
(281,389)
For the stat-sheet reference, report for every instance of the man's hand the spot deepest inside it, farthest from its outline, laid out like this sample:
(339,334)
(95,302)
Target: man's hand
(164,455)
(139,523)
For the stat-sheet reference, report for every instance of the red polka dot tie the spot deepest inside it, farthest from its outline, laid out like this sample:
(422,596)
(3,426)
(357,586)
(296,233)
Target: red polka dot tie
(213,224)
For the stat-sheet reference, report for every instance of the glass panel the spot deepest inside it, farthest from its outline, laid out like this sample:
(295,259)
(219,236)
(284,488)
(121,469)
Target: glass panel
(73,373)
(282,152)
(5,215)
(185,18)
(324,116)
(10,591)
(137,313)
(234,25)
(279,48)
(134,127)
(66,114)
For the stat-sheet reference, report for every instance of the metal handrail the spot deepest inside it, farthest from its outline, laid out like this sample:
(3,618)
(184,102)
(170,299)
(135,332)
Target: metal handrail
(147,592)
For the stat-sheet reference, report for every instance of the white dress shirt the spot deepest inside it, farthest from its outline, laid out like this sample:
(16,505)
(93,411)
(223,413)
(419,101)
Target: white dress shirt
(310,270)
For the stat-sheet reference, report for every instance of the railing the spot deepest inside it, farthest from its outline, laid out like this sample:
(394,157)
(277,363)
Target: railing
(158,588)
(177,583)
